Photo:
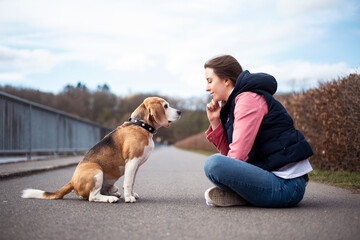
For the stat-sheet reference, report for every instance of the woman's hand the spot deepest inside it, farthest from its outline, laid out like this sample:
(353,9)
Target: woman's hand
(213,113)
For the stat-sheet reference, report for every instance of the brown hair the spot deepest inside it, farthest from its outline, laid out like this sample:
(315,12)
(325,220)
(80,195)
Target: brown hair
(225,66)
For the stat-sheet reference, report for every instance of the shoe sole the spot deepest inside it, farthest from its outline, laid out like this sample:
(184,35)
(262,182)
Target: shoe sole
(221,198)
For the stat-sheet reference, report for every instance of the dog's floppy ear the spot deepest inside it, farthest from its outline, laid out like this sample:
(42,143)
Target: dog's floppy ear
(140,113)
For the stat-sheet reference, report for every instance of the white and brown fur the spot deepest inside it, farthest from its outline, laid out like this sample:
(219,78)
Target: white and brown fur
(121,152)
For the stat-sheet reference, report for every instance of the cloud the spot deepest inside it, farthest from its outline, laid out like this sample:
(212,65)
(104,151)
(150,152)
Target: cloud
(133,61)
(37,60)
(324,10)
(11,76)
(174,37)
(302,75)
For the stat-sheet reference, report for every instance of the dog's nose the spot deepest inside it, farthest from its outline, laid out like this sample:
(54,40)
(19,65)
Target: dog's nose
(178,112)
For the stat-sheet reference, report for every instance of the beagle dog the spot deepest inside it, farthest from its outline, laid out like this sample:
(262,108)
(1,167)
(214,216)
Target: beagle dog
(121,152)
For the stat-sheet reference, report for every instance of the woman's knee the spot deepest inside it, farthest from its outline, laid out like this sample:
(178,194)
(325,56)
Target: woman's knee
(212,164)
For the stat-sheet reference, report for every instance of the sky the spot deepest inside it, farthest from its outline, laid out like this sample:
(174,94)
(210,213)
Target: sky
(160,46)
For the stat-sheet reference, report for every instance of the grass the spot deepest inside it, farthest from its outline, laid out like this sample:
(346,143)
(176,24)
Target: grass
(344,179)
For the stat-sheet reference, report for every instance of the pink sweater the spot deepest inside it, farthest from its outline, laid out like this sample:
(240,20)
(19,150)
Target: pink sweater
(250,108)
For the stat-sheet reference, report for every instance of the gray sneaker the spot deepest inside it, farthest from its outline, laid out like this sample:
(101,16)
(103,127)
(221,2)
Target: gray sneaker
(216,197)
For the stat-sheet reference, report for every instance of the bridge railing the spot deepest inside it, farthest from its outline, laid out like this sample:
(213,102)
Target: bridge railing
(28,127)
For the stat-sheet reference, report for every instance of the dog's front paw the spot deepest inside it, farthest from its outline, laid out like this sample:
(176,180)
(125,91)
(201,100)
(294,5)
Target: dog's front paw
(136,195)
(130,199)
(112,199)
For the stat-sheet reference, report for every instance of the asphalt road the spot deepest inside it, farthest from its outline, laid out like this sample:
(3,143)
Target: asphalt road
(171,206)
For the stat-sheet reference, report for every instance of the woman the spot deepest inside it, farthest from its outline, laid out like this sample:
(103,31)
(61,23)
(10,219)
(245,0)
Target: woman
(263,158)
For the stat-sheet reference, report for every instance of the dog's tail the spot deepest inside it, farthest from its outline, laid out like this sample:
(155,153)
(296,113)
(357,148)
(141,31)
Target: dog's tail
(34,193)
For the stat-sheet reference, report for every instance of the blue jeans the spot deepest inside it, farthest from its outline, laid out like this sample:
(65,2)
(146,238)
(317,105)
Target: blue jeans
(257,186)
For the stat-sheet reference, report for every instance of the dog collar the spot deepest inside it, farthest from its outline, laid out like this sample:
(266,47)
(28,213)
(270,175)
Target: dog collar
(144,125)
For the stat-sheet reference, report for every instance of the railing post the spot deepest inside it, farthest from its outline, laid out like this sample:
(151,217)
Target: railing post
(28,154)
(57,135)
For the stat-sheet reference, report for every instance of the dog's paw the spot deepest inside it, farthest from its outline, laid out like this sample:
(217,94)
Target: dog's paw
(117,194)
(112,199)
(130,199)
(136,195)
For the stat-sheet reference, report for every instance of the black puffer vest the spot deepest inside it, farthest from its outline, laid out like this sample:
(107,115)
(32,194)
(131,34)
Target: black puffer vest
(277,142)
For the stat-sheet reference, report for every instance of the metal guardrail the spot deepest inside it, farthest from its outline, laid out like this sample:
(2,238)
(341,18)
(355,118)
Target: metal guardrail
(28,127)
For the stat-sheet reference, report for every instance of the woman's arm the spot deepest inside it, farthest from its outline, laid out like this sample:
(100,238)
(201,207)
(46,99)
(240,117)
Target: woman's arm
(217,137)
(215,133)
(250,109)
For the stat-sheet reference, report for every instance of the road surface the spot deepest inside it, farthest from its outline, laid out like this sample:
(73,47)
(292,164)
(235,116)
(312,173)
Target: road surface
(171,185)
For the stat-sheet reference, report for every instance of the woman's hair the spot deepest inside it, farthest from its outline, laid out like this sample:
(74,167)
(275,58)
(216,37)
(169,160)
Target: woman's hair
(225,66)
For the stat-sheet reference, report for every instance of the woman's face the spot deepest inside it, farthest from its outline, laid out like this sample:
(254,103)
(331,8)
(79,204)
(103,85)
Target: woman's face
(218,88)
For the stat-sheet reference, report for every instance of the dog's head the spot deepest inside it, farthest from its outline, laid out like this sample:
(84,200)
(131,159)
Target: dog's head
(156,112)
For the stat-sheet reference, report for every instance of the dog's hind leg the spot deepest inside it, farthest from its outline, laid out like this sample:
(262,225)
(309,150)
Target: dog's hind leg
(114,191)
(95,194)
(110,189)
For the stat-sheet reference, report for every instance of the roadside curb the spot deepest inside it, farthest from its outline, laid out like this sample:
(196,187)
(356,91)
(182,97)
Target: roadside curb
(33,171)
(20,169)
